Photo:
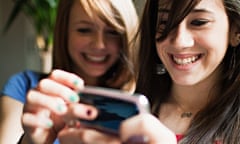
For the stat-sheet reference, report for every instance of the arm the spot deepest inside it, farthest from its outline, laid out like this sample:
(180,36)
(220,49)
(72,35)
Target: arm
(10,120)
(12,98)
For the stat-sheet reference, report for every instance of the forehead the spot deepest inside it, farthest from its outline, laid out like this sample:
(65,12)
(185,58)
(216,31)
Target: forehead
(209,4)
(77,10)
(83,10)
(172,12)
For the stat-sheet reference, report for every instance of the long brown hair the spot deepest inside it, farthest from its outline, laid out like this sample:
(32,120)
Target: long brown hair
(221,117)
(122,16)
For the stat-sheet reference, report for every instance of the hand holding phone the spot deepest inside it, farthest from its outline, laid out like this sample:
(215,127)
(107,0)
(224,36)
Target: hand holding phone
(113,106)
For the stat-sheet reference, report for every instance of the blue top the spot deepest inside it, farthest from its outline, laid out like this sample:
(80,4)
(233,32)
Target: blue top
(19,84)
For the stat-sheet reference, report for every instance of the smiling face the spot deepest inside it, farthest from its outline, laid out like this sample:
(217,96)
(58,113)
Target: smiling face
(93,45)
(193,51)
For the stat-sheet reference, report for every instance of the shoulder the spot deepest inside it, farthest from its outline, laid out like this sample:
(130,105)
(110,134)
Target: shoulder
(27,77)
(19,83)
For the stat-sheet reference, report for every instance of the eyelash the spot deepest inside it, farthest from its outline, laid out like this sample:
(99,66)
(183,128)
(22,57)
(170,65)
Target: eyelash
(195,23)
(84,30)
(112,33)
(199,22)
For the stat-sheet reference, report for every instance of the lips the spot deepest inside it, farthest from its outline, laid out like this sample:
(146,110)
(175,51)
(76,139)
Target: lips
(94,58)
(186,59)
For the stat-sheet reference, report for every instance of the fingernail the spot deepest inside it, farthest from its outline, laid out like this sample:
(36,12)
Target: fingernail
(89,112)
(49,124)
(73,98)
(78,83)
(138,139)
(75,82)
(61,106)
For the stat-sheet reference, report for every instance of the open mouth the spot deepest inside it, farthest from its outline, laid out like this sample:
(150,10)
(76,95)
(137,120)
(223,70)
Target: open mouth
(95,59)
(186,60)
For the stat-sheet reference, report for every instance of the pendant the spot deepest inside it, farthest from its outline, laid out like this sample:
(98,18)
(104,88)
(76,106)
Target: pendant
(186,114)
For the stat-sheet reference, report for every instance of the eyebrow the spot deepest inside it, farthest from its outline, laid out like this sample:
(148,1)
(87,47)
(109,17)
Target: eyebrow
(201,10)
(162,10)
(83,22)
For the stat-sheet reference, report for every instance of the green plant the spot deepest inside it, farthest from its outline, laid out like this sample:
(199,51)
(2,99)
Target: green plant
(42,14)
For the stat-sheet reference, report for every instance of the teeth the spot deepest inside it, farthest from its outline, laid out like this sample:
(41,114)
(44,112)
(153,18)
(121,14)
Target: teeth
(184,61)
(96,58)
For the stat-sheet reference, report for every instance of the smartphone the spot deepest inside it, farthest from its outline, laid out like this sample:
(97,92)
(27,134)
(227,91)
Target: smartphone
(113,107)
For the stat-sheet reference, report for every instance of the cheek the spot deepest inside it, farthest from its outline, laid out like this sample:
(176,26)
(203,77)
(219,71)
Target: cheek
(216,39)
(215,44)
(114,47)
(76,44)
(115,52)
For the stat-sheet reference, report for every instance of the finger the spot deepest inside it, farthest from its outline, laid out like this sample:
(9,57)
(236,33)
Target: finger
(36,121)
(69,79)
(87,136)
(39,136)
(139,126)
(37,100)
(54,88)
(136,129)
(78,112)
(95,137)
(69,136)
(83,111)
(137,139)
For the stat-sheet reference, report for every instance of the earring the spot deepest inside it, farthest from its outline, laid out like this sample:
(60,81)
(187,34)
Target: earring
(160,69)
(236,40)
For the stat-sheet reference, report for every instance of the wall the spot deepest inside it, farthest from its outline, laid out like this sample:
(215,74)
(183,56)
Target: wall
(139,5)
(17,50)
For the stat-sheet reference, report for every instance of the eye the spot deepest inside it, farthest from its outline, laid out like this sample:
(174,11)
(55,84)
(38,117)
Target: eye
(112,33)
(199,22)
(84,30)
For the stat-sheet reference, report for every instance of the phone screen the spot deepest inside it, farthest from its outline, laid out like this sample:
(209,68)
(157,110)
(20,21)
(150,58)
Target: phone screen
(111,111)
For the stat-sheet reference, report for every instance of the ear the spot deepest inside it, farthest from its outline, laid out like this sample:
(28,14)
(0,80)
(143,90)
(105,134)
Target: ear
(234,36)
(235,40)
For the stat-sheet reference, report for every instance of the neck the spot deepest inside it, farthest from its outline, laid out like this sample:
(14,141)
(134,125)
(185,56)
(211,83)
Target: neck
(195,97)
(189,99)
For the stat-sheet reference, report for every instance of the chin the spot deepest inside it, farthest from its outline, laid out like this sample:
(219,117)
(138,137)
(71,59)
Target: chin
(185,81)
(96,74)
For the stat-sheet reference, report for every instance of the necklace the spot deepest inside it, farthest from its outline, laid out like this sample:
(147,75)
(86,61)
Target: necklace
(186,114)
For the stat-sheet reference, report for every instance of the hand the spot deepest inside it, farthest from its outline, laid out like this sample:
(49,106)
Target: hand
(75,132)
(145,128)
(141,129)
(47,104)
(86,136)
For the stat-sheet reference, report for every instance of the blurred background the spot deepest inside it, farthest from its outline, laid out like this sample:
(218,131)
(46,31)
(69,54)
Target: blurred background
(26,45)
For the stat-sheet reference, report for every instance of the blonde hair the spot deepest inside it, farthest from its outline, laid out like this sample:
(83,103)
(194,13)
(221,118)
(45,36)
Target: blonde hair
(119,14)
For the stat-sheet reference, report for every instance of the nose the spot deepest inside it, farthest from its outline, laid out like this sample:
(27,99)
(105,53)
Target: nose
(182,37)
(99,41)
